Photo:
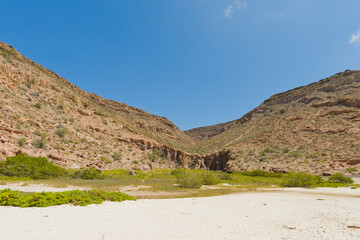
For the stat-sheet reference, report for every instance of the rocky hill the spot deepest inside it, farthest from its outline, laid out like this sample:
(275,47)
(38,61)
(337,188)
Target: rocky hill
(314,128)
(44,114)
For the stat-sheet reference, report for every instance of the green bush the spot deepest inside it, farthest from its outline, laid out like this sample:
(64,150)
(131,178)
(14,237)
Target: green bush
(294,154)
(154,156)
(209,178)
(261,173)
(339,178)
(350,170)
(39,142)
(61,131)
(44,199)
(195,178)
(87,173)
(32,167)
(225,176)
(22,142)
(38,105)
(188,178)
(300,179)
(116,156)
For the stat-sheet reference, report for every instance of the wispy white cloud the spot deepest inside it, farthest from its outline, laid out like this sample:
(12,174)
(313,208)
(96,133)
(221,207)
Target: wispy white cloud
(232,8)
(355,37)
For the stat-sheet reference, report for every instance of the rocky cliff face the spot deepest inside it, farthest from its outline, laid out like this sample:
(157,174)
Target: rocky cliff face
(313,128)
(44,114)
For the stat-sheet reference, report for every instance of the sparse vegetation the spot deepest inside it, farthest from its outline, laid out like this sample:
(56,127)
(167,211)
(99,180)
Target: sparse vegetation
(188,178)
(154,156)
(39,143)
(32,167)
(158,179)
(38,105)
(104,159)
(87,173)
(104,121)
(61,131)
(6,55)
(40,134)
(116,156)
(22,142)
(45,199)
(100,113)
(261,173)
(294,154)
(301,179)
(339,178)
(30,83)
(195,178)
(350,170)
(61,106)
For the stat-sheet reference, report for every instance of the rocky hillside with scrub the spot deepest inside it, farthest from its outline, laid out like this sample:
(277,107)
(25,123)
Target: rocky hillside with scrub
(42,114)
(314,128)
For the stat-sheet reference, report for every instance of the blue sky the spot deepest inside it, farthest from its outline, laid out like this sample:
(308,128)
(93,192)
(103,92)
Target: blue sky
(196,62)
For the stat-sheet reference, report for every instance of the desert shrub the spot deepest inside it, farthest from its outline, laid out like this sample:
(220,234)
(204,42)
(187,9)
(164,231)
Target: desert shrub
(225,176)
(300,179)
(72,120)
(44,199)
(61,131)
(261,173)
(154,156)
(57,146)
(294,154)
(339,178)
(29,83)
(22,142)
(104,120)
(61,106)
(6,55)
(37,105)
(99,113)
(350,170)
(209,178)
(39,142)
(104,159)
(188,179)
(87,173)
(286,150)
(32,167)
(195,178)
(116,156)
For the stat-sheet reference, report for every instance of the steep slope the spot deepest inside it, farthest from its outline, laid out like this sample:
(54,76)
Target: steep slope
(313,128)
(44,114)
(203,133)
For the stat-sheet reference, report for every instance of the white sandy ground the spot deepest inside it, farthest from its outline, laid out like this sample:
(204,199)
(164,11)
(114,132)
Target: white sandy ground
(249,215)
(37,187)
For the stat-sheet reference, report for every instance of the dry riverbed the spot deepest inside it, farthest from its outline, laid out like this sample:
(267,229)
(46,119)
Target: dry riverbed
(323,213)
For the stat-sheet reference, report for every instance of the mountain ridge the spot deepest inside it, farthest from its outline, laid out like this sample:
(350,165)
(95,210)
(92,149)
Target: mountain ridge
(44,114)
(319,118)
(312,128)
